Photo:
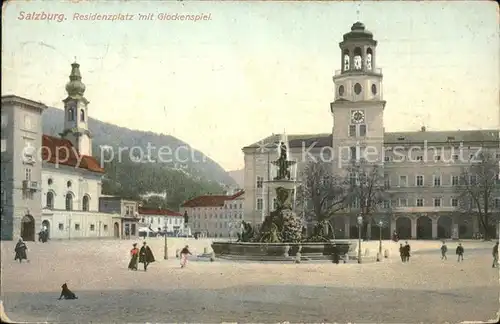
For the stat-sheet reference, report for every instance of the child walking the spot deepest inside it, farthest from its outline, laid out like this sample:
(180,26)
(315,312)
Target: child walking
(184,254)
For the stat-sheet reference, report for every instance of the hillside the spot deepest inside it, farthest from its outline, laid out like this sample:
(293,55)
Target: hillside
(182,175)
(238,176)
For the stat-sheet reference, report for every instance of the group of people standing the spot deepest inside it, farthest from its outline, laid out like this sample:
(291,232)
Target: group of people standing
(144,256)
(459,252)
(404,251)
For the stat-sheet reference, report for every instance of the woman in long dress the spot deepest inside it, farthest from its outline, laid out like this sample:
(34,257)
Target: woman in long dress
(134,253)
(20,250)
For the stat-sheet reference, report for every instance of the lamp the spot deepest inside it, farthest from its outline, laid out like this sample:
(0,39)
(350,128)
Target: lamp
(360,222)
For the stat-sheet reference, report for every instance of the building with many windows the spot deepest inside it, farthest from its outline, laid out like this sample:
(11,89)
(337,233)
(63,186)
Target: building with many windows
(51,182)
(215,215)
(421,168)
(160,220)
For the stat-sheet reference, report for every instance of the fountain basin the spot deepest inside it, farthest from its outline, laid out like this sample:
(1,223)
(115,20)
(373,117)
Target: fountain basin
(255,251)
(287,184)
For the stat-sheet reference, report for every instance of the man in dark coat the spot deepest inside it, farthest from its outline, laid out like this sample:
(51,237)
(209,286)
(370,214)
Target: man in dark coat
(20,250)
(407,250)
(402,252)
(146,256)
(460,252)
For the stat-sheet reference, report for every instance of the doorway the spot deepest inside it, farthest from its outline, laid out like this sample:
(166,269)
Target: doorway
(46,226)
(116,230)
(28,228)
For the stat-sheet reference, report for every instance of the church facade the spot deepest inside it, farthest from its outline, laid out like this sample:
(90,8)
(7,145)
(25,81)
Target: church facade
(421,168)
(51,182)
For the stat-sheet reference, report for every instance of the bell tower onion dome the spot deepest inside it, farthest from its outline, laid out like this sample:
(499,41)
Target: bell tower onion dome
(75,86)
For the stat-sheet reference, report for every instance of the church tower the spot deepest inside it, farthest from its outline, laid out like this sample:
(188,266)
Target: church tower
(358,108)
(76,113)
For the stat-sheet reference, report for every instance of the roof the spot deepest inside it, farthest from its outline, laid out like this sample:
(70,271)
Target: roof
(158,211)
(20,100)
(390,138)
(61,151)
(210,200)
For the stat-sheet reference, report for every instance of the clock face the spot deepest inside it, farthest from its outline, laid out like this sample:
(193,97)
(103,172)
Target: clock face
(358,116)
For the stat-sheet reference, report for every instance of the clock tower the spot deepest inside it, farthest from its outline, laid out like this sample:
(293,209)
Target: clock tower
(358,108)
(76,113)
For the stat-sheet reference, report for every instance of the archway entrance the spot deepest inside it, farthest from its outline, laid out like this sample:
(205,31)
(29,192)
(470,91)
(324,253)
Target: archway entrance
(403,227)
(28,228)
(46,226)
(444,227)
(116,230)
(424,228)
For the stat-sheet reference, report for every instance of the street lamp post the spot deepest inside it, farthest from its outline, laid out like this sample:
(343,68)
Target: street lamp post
(360,222)
(380,223)
(165,247)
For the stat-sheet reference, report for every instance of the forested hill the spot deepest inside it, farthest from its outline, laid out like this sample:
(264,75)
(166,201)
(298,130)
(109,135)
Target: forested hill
(183,175)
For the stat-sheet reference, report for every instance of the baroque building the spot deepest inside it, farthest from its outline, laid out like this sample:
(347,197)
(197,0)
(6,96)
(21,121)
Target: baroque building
(51,182)
(420,168)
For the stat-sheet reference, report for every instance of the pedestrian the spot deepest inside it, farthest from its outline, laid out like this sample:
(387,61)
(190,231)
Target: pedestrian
(407,250)
(444,249)
(134,257)
(20,250)
(146,256)
(495,255)
(184,254)
(402,252)
(460,252)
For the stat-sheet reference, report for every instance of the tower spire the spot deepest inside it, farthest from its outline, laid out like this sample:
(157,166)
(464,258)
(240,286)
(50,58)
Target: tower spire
(75,86)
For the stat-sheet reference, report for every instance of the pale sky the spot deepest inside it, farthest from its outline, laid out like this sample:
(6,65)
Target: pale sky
(256,67)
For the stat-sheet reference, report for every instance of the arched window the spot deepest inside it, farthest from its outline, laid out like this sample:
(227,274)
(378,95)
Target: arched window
(50,200)
(346,60)
(69,201)
(82,115)
(357,59)
(85,203)
(71,114)
(369,55)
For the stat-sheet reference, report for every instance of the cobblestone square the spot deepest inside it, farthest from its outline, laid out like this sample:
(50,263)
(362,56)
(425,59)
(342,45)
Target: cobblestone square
(425,290)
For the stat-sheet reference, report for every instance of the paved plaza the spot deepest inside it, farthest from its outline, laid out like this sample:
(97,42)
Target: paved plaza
(425,290)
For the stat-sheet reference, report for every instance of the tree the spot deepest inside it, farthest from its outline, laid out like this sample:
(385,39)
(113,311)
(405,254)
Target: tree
(366,190)
(477,189)
(321,195)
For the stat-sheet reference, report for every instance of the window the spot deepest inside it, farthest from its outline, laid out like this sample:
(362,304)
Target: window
(27,174)
(420,202)
(403,202)
(50,200)
(50,181)
(455,157)
(454,180)
(275,203)
(28,195)
(454,202)
(353,152)
(127,210)
(352,179)
(387,158)
(473,180)
(105,227)
(437,202)
(230,206)
(355,203)
(437,181)
(82,115)
(260,204)
(387,204)
(403,181)
(85,203)
(77,227)
(352,130)
(69,201)
(497,156)
(68,184)
(92,227)
(241,206)
(420,181)
(420,158)
(260,181)
(61,226)
(387,181)
(437,158)
(362,130)
(71,114)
